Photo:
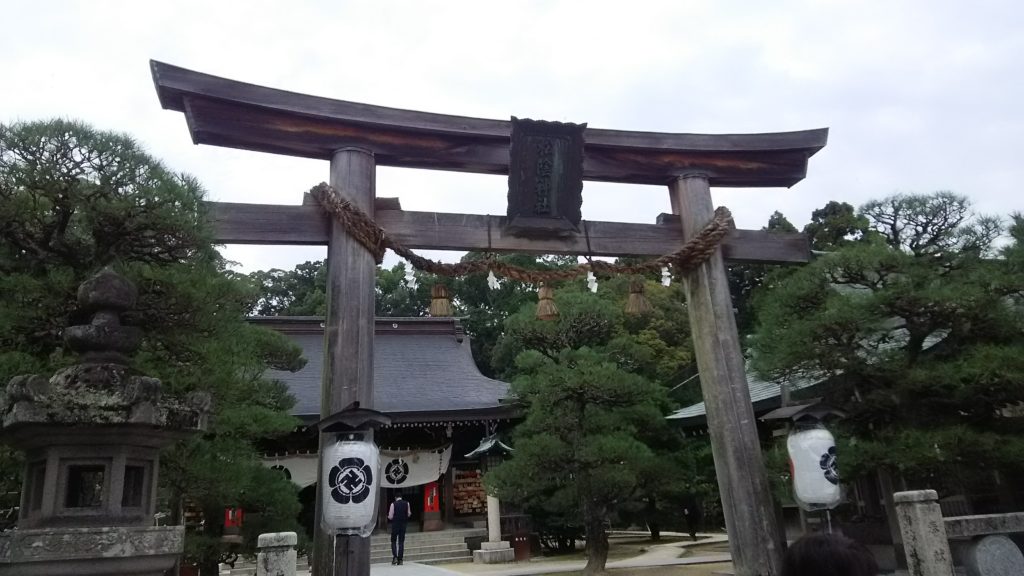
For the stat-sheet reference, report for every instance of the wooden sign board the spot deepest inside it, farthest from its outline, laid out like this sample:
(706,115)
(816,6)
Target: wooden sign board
(545,178)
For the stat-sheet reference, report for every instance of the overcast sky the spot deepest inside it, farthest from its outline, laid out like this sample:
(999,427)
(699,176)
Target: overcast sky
(919,95)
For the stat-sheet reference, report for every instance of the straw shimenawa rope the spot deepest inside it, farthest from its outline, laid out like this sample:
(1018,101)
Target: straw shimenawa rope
(372,237)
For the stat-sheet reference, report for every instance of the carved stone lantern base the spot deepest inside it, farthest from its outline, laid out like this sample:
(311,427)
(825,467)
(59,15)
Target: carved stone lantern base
(135,551)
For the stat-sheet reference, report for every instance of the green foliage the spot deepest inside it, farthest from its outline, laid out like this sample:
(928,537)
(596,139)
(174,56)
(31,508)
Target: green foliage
(746,279)
(932,224)
(778,222)
(579,451)
(484,309)
(594,386)
(836,225)
(298,292)
(302,292)
(73,200)
(917,334)
(66,190)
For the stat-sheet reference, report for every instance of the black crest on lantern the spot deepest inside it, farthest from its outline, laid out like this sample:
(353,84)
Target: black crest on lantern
(545,179)
(350,481)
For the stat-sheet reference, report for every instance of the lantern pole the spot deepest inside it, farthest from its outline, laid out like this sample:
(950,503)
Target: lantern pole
(348,349)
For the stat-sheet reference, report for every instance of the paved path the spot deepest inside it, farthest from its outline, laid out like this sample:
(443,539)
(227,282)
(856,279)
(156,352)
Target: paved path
(407,569)
(656,555)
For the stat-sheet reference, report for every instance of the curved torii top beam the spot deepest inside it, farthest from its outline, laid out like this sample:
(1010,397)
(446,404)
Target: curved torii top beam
(234,114)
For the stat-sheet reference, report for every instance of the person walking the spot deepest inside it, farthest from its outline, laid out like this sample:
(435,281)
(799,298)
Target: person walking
(398,515)
(692,514)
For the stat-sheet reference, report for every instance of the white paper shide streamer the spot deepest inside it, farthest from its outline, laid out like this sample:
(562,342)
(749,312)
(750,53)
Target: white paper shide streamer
(410,278)
(591,282)
(666,276)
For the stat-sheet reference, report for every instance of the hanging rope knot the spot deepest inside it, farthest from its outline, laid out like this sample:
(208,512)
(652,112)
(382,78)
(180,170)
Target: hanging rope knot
(698,249)
(356,223)
(364,230)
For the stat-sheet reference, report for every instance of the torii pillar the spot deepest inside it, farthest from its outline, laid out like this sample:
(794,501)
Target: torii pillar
(750,519)
(348,344)
(357,137)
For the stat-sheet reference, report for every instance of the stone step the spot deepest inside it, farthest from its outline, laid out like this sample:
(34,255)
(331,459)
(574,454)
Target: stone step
(427,557)
(420,549)
(417,541)
(439,535)
(448,560)
(429,546)
(386,543)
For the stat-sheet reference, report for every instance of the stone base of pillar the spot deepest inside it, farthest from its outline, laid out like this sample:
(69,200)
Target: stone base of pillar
(494,553)
(129,550)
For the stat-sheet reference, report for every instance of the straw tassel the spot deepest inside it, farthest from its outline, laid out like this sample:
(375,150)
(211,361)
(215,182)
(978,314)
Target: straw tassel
(546,309)
(440,305)
(637,302)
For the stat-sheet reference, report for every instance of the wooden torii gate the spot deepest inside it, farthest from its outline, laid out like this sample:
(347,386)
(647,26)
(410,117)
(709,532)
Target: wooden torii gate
(356,138)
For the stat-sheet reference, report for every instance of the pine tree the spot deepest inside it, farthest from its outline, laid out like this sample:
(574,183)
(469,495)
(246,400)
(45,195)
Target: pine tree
(594,385)
(917,333)
(73,200)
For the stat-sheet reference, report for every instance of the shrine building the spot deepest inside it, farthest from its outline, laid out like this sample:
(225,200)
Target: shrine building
(444,413)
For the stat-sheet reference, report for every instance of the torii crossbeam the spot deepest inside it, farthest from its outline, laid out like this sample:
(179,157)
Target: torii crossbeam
(358,137)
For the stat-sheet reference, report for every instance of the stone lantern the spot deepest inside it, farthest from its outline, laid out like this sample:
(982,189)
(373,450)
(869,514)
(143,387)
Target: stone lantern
(92,436)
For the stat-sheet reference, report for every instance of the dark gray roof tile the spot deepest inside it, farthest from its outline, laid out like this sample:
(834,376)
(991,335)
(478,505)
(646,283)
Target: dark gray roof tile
(417,367)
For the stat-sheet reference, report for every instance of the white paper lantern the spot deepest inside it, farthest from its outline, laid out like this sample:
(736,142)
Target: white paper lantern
(351,479)
(812,457)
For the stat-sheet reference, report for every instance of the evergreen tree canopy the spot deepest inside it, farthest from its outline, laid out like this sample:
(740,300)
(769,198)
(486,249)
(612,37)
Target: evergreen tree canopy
(917,334)
(746,279)
(579,452)
(836,225)
(594,385)
(73,200)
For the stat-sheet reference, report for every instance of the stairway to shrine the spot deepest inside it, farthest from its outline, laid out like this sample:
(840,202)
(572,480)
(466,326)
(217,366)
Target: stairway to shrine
(427,547)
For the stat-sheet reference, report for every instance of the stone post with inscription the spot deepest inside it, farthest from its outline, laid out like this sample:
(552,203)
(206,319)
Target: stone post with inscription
(924,533)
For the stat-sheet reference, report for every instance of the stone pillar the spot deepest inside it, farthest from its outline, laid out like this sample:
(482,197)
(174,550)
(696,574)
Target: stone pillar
(277,554)
(924,533)
(495,550)
(493,519)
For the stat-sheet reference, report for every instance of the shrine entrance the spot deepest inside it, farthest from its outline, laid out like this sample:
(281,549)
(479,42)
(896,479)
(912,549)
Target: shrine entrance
(547,163)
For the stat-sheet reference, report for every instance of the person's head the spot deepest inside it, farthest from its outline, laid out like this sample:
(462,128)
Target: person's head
(828,555)
(398,496)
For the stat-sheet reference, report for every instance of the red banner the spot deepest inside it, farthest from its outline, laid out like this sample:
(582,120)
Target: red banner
(431,500)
